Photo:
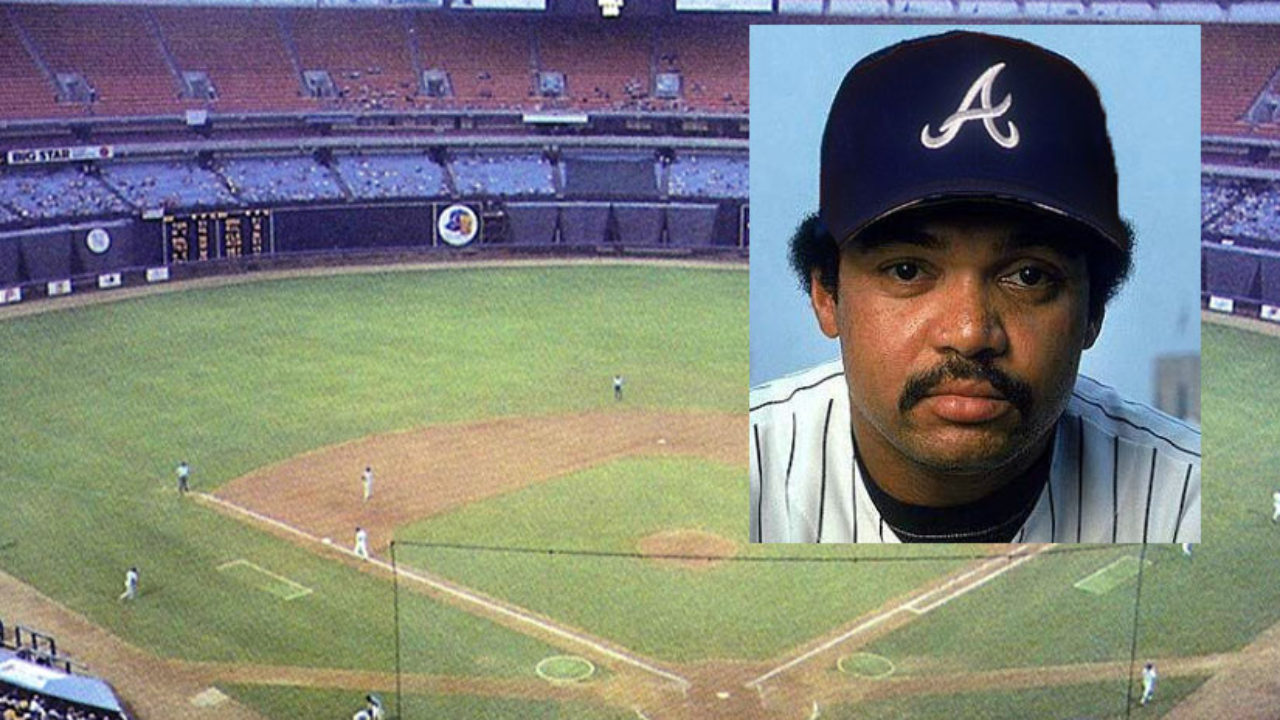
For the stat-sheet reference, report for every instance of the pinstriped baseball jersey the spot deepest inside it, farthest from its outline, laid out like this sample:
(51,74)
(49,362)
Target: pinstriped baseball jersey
(1120,471)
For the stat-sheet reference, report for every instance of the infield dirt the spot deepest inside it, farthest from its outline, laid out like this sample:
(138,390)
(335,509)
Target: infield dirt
(423,472)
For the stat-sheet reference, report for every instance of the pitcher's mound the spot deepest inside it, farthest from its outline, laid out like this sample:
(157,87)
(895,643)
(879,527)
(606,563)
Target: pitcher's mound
(693,549)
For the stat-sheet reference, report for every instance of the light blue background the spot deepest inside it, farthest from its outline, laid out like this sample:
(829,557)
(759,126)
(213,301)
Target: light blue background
(1149,80)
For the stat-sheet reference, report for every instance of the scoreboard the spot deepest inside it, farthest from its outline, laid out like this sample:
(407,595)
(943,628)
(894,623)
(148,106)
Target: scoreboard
(216,235)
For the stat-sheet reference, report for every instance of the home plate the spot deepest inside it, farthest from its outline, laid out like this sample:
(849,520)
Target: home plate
(211,697)
(722,695)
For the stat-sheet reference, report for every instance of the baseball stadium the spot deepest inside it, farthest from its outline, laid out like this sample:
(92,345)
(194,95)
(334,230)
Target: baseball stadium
(495,251)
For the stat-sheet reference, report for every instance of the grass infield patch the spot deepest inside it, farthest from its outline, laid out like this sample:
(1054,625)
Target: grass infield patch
(255,575)
(866,665)
(1111,576)
(563,669)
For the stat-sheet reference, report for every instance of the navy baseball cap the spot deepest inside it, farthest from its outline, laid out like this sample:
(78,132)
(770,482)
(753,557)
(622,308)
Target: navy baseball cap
(967,116)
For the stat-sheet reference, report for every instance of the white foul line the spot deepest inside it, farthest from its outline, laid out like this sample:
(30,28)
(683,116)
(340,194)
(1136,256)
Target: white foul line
(908,606)
(913,605)
(957,579)
(826,645)
(462,595)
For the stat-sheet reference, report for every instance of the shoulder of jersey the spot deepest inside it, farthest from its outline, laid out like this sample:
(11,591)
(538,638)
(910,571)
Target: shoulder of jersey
(1131,420)
(815,384)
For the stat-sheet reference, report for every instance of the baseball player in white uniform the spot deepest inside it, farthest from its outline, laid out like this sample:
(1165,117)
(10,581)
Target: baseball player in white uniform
(366,481)
(362,543)
(1275,501)
(130,585)
(964,282)
(1148,683)
(184,477)
(617,387)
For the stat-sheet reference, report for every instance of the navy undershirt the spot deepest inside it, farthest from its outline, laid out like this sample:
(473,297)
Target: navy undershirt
(994,518)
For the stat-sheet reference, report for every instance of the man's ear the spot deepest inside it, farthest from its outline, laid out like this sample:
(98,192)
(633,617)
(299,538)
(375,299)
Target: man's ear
(1095,328)
(824,304)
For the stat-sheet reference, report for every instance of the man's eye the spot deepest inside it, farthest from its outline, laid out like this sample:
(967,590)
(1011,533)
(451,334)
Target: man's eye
(1031,276)
(905,271)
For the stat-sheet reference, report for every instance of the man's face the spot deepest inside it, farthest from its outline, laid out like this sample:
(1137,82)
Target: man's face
(961,332)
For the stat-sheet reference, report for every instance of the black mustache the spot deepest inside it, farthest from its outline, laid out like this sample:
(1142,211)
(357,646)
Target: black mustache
(919,386)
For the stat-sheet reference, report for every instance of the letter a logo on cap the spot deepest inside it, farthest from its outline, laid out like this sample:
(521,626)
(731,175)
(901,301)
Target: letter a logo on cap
(966,112)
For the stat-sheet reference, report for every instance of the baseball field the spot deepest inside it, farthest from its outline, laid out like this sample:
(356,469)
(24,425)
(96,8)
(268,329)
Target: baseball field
(560,553)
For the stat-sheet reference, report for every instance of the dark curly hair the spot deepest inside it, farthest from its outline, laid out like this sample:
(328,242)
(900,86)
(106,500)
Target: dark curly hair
(812,247)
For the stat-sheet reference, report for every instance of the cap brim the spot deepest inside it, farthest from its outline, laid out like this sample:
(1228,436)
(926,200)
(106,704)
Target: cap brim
(987,194)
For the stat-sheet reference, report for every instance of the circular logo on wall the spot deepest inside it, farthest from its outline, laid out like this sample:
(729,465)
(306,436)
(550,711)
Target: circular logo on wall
(98,241)
(458,225)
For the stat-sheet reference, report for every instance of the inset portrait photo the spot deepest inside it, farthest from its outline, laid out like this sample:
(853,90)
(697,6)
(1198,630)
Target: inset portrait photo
(975,284)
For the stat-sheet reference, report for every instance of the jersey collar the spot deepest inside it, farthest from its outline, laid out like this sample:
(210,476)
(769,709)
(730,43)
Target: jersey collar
(995,518)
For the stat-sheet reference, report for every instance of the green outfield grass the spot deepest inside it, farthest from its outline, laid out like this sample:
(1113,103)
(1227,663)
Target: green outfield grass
(1215,601)
(1030,616)
(1225,601)
(732,610)
(1096,701)
(103,401)
(278,701)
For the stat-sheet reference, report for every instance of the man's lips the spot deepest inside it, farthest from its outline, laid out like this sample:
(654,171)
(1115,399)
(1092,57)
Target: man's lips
(966,402)
(967,388)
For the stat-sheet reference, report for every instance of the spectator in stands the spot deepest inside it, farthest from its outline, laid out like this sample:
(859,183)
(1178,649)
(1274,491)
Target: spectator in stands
(21,704)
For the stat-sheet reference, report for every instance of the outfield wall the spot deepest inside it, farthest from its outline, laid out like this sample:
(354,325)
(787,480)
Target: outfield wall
(91,256)
(46,254)
(1240,280)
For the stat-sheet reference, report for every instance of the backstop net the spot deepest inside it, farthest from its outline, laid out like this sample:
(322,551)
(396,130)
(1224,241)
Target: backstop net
(687,624)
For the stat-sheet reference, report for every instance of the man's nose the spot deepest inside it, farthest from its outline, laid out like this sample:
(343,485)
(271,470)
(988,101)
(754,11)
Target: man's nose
(967,321)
